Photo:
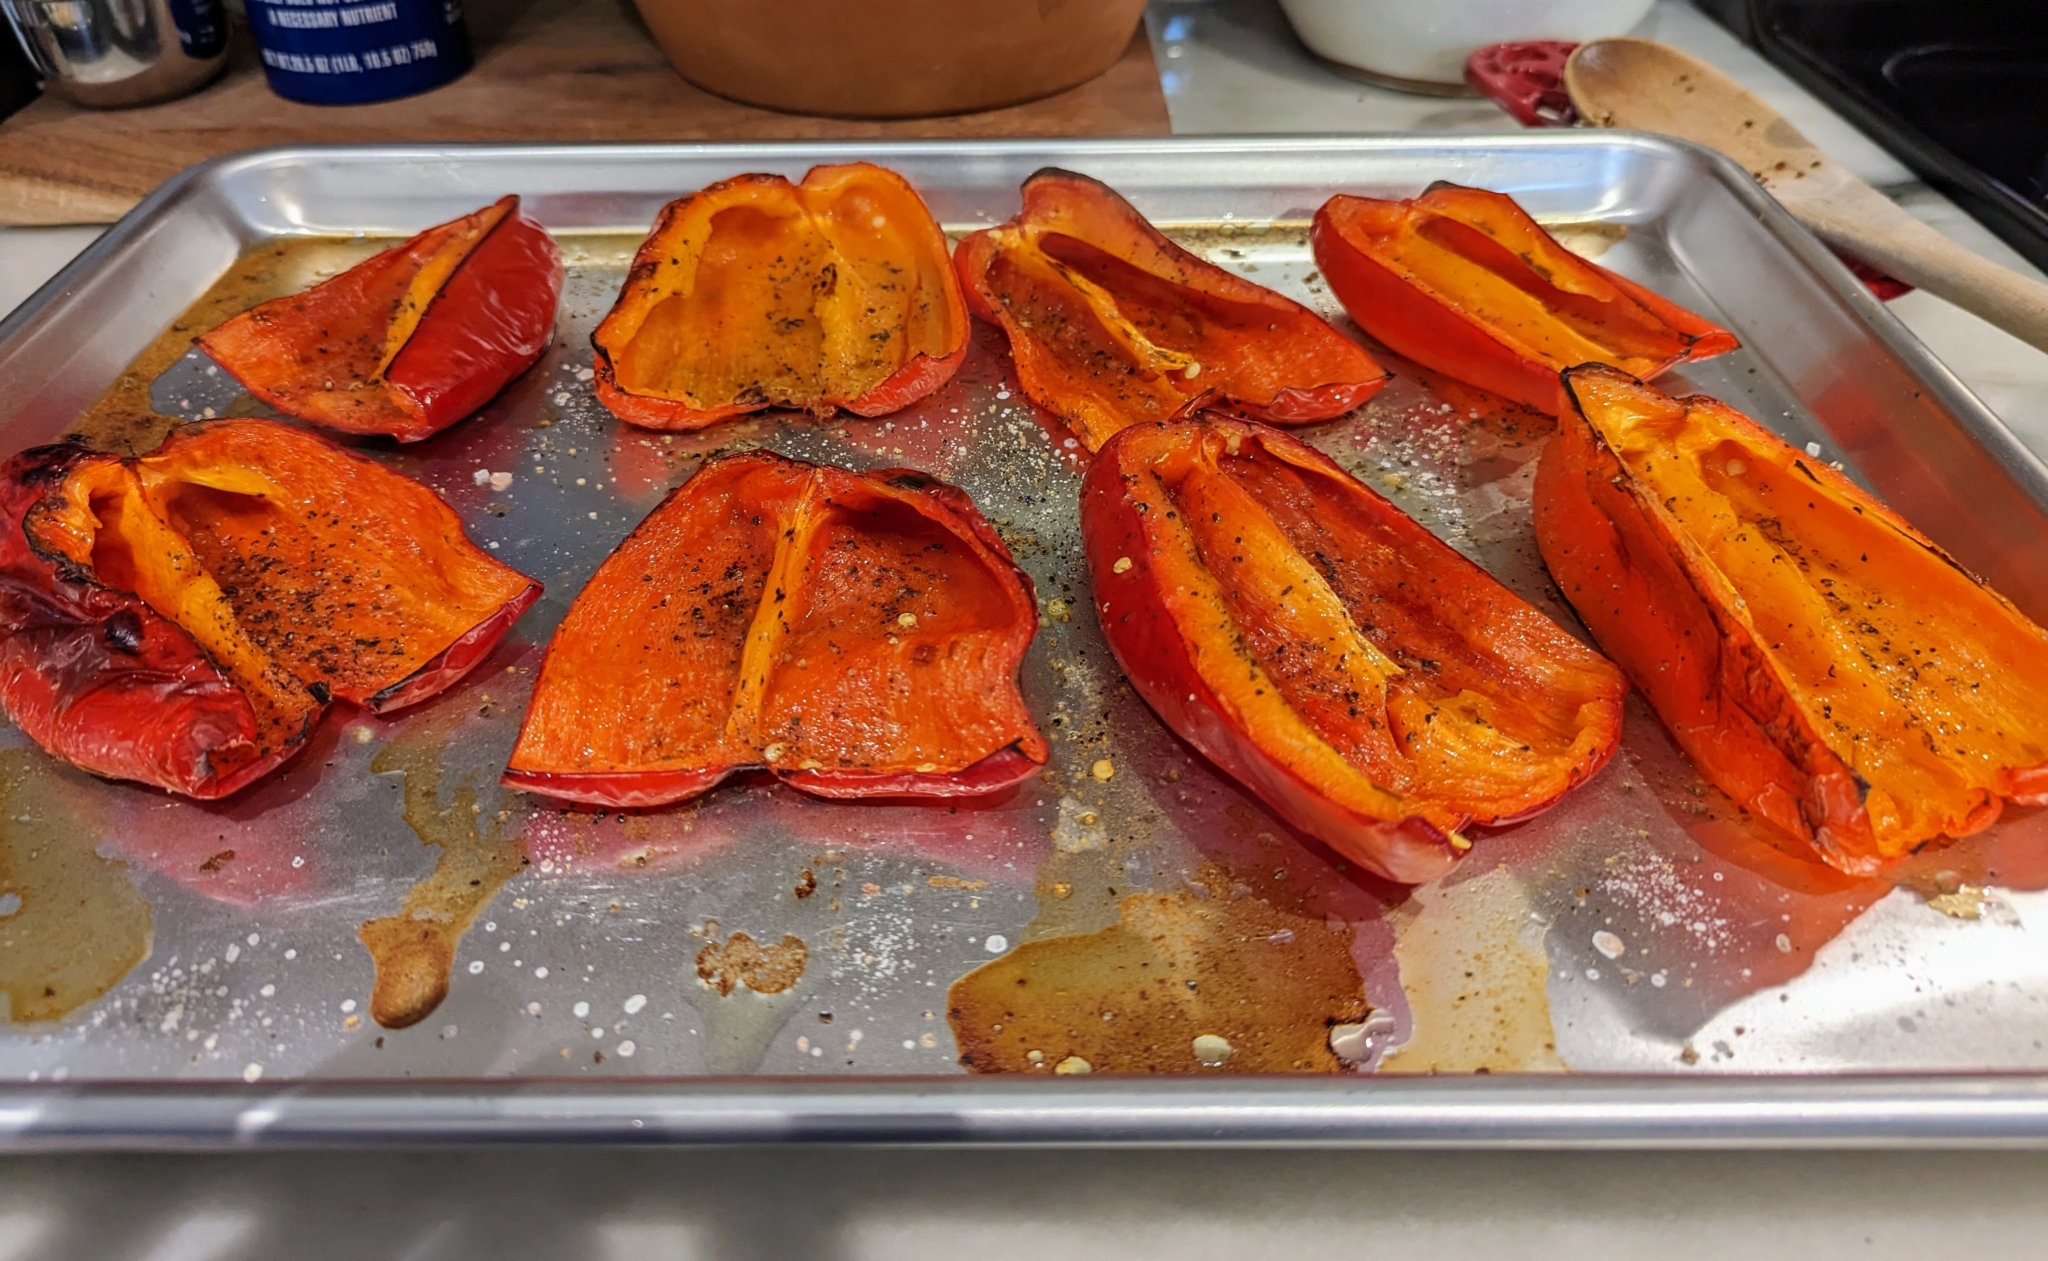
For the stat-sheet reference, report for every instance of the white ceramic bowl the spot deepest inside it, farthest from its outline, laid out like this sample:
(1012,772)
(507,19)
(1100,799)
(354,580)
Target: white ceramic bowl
(1424,43)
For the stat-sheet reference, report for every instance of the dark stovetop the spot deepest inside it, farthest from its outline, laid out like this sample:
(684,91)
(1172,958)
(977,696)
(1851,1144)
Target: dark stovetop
(1958,89)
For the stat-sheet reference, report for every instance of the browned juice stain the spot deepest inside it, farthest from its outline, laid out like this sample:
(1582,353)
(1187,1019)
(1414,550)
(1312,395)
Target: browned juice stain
(1179,983)
(124,419)
(414,950)
(740,960)
(71,923)
(1477,980)
(1228,244)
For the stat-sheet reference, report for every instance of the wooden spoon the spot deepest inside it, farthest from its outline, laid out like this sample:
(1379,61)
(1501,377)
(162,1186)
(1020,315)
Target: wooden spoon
(1648,86)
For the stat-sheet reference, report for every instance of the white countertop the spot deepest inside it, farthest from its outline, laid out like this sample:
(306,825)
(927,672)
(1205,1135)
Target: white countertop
(852,1204)
(1228,66)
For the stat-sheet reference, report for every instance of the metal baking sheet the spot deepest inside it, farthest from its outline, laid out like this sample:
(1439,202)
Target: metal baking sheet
(1632,966)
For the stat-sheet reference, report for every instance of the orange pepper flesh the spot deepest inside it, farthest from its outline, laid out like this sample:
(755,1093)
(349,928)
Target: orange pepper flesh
(1376,688)
(410,341)
(756,292)
(197,609)
(1110,323)
(1462,280)
(855,634)
(1820,660)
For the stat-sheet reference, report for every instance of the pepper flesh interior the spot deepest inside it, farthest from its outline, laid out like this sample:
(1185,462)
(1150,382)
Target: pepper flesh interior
(1820,659)
(1367,656)
(777,613)
(1494,275)
(303,571)
(1112,323)
(757,292)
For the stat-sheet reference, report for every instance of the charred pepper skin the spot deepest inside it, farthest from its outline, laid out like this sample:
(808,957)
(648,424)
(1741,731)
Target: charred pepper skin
(1109,322)
(408,342)
(753,292)
(1463,281)
(857,635)
(1821,661)
(1372,686)
(104,678)
(99,678)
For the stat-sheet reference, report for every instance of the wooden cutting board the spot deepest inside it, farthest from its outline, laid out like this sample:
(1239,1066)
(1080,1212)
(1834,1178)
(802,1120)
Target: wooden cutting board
(547,70)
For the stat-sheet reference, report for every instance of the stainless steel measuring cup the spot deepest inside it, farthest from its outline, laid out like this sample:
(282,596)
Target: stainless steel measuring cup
(112,53)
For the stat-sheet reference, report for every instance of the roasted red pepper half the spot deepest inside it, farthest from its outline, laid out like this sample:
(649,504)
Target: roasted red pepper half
(1111,323)
(410,341)
(856,634)
(1372,686)
(1463,281)
(1820,660)
(183,618)
(756,292)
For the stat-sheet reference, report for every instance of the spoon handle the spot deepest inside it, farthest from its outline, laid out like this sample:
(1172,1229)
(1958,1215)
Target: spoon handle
(1877,231)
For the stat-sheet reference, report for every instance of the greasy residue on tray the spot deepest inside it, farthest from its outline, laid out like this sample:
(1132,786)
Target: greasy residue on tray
(1476,976)
(1204,978)
(71,923)
(124,419)
(414,950)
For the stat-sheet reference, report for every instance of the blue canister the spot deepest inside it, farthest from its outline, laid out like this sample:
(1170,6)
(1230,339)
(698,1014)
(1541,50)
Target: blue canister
(347,52)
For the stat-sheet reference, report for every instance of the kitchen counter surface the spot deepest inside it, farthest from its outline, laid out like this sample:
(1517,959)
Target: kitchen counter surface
(546,71)
(1226,66)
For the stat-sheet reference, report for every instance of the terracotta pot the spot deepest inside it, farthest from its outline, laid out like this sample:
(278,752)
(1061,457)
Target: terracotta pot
(890,58)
